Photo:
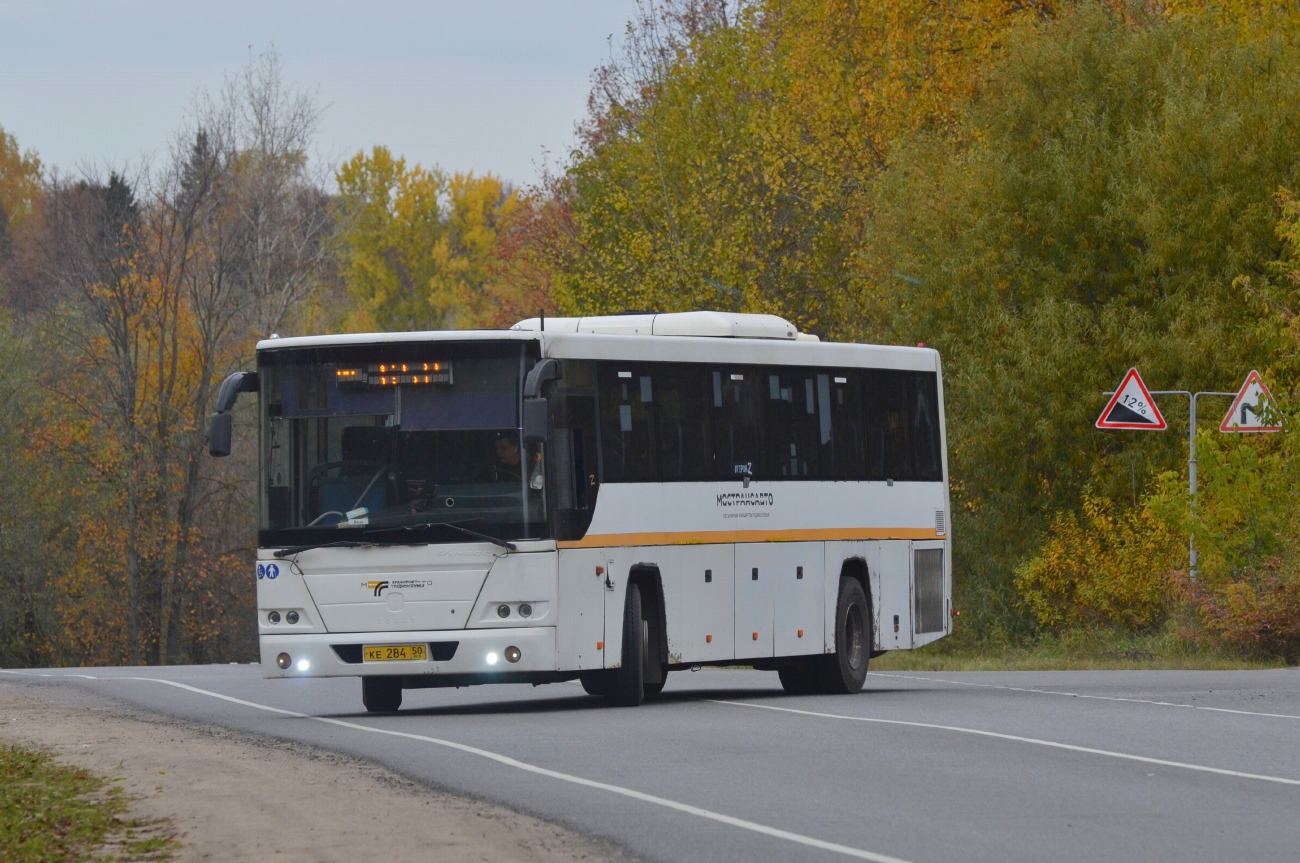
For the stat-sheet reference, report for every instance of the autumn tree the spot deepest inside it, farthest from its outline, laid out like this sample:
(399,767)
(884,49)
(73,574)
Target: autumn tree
(417,244)
(172,276)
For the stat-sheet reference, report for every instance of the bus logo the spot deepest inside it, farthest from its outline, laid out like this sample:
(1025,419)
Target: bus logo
(267,570)
(377,586)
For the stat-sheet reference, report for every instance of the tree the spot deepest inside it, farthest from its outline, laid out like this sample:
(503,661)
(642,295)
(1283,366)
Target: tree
(170,277)
(417,245)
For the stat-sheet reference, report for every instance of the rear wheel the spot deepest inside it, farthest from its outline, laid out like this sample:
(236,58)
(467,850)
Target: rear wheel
(803,678)
(381,694)
(594,682)
(845,671)
(627,687)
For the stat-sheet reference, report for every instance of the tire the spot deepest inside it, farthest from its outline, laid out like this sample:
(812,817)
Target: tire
(801,679)
(653,689)
(381,694)
(845,671)
(594,682)
(627,687)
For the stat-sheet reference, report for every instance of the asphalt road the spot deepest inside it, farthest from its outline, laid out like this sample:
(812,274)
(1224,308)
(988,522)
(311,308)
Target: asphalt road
(1141,765)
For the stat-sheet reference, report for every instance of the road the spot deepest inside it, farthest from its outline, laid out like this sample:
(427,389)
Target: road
(1137,765)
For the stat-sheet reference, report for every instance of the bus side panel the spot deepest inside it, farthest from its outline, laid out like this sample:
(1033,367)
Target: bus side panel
(699,602)
(580,606)
(757,564)
(799,573)
(895,570)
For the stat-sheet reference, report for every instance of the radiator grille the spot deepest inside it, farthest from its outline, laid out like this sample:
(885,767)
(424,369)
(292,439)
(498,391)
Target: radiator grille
(927,573)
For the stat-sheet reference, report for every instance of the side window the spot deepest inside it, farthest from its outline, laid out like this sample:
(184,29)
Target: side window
(842,427)
(627,433)
(795,428)
(736,410)
(888,415)
(924,431)
(681,400)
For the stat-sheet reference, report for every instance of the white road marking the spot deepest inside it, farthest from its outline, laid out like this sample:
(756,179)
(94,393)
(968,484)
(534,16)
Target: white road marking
(741,823)
(1080,695)
(1018,739)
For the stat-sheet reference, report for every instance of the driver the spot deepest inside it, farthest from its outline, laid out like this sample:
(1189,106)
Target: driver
(504,464)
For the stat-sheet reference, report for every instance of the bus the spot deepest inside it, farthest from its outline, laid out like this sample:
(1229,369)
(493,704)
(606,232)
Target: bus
(601,499)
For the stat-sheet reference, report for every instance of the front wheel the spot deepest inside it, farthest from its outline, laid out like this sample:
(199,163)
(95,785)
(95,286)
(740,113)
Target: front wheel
(627,687)
(381,694)
(845,671)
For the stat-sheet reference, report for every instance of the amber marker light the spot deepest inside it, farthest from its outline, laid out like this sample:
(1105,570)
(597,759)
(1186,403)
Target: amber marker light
(756,636)
(708,639)
(801,633)
(600,645)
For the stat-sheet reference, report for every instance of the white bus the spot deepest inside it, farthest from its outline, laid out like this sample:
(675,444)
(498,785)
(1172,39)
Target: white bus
(604,499)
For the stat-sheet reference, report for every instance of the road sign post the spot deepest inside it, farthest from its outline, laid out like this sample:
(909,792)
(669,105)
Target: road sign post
(1132,381)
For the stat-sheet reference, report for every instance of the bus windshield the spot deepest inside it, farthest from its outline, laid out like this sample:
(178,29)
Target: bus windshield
(359,441)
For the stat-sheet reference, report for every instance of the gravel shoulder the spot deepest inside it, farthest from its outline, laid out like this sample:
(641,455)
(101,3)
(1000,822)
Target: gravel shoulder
(231,797)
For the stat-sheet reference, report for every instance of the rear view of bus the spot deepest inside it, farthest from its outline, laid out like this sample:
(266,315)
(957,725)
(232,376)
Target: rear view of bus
(599,499)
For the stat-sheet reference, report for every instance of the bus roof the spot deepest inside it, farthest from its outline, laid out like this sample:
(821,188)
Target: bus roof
(679,337)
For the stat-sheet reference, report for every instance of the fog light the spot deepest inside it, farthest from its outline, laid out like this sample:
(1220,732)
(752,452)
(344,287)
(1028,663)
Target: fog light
(491,659)
(303,665)
(283,660)
(503,611)
(525,610)
(512,654)
(291,617)
(274,617)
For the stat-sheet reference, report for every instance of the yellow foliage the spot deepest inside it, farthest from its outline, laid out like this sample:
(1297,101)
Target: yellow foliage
(417,244)
(20,181)
(1108,567)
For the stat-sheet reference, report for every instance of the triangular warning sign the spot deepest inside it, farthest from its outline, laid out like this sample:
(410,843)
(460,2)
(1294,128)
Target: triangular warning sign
(1132,407)
(1247,407)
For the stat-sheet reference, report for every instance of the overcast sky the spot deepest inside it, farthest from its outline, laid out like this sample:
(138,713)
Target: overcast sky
(469,86)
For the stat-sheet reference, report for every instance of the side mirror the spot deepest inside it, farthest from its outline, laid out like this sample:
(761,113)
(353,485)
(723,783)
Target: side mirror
(219,429)
(535,421)
(219,435)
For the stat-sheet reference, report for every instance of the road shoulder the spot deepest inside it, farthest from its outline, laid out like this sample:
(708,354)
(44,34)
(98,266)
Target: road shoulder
(235,797)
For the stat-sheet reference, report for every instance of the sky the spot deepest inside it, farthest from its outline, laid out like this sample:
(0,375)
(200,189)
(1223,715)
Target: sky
(487,87)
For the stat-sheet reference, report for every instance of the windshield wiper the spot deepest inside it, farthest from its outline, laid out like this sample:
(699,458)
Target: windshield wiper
(464,530)
(342,543)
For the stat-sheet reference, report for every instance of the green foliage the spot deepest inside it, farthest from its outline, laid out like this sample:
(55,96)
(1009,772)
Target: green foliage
(50,813)
(1119,180)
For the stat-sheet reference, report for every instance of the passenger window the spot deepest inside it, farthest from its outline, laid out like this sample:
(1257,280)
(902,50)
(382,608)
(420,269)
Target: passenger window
(737,415)
(795,428)
(627,423)
(681,408)
(925,426)
(888,421)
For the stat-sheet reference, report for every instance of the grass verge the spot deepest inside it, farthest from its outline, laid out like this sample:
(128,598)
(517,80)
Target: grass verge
(51,812)
(1091,650)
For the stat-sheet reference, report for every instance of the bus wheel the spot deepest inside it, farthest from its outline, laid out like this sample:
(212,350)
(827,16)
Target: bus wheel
(594,682)
(628,684)
(381,694)
(801,679)
(653,689)
(845,671)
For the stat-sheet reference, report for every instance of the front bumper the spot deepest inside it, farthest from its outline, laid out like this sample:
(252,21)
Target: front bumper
(313,654)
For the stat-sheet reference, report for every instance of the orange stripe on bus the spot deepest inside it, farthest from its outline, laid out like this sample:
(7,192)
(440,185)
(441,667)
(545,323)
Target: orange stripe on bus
(703,537)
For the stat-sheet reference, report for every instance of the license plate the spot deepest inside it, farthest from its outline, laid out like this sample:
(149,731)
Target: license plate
(393,652)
